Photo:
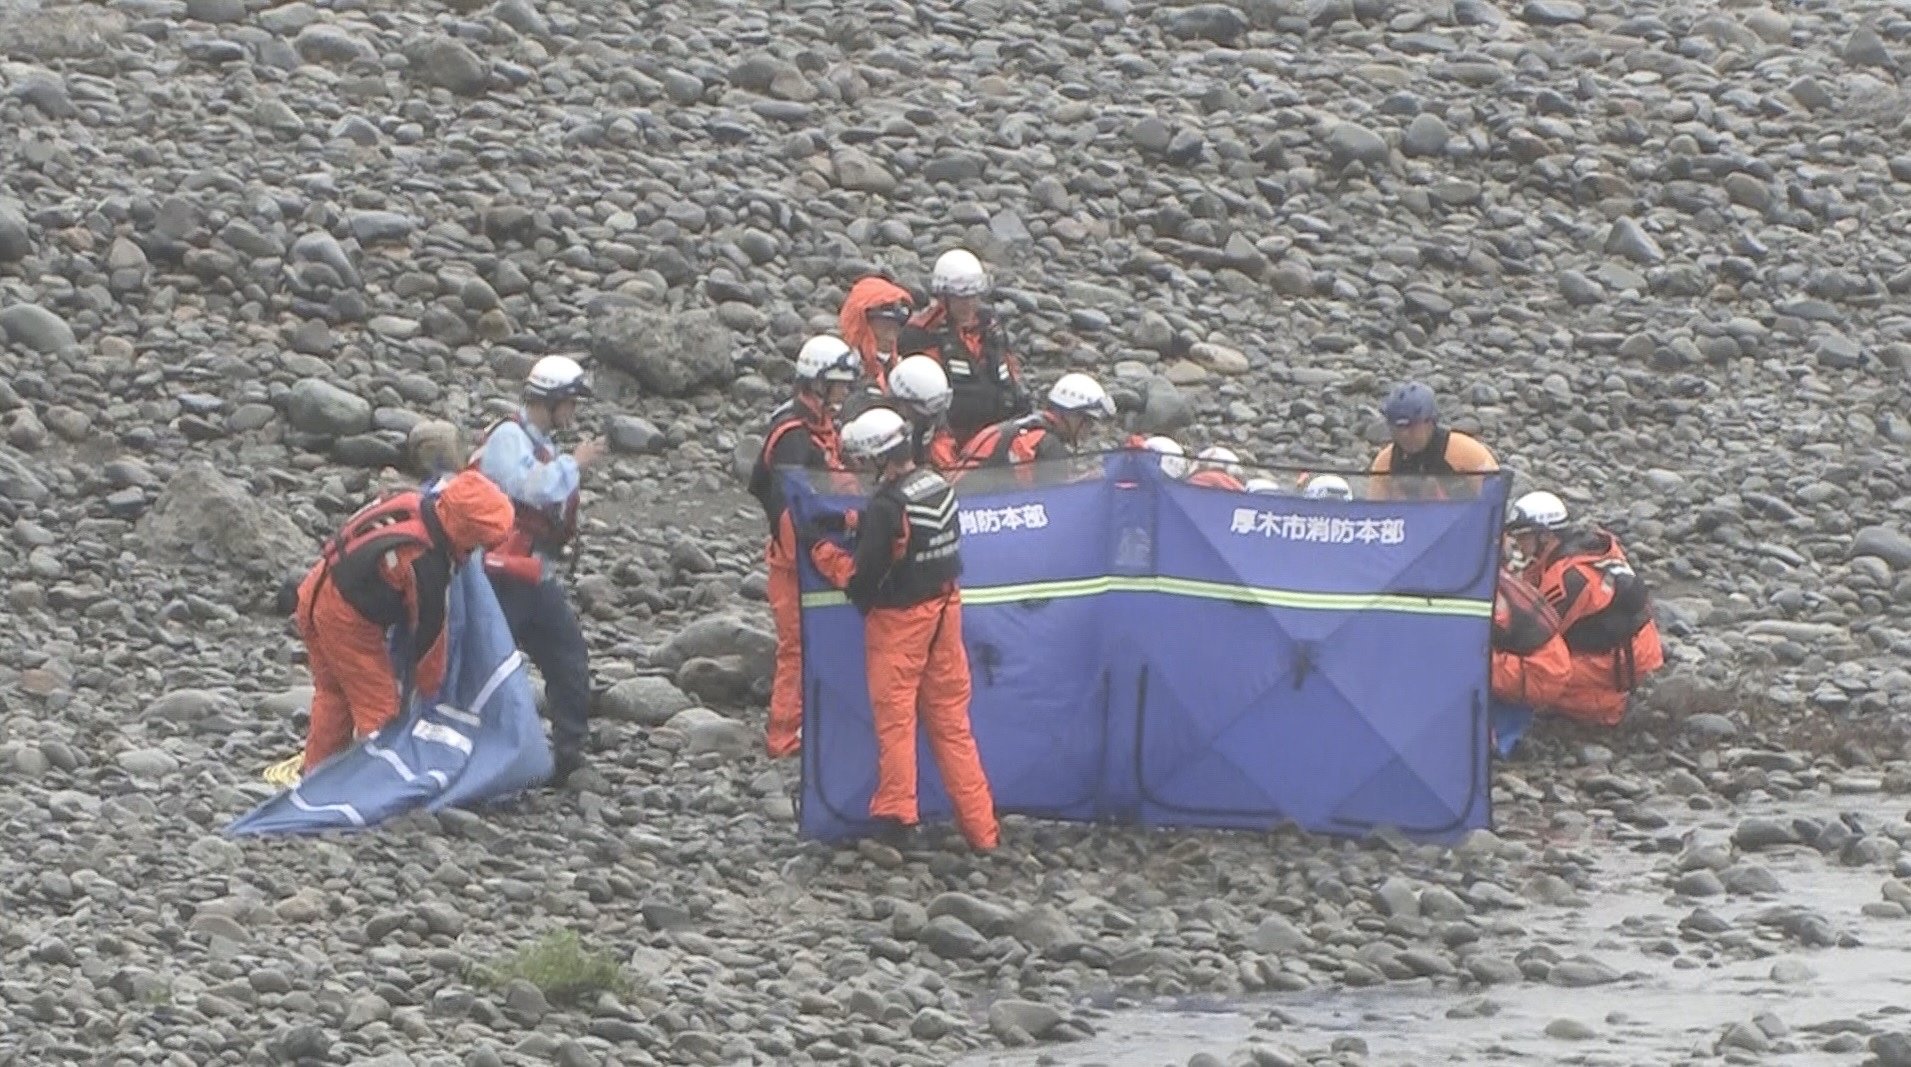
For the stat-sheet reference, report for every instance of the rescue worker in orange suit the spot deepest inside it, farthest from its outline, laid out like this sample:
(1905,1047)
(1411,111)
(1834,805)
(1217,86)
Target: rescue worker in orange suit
(1604,607)
(1530,661)
(1433,454)
(389,566)
(520,457)
(1530,664)
(959,330)
(802,433)
(871,321)
(1217,467)
(1075,403)
(902,577)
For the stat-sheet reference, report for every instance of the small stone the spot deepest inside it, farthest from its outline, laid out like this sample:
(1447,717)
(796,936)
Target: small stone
(1570,1030)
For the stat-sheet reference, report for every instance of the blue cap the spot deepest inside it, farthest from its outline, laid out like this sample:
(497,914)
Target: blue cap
(1410,403)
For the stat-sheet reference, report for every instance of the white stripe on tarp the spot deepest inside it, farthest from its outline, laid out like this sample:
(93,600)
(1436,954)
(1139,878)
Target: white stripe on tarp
(456,715)
(498,678)
(441,734)
(346,810)
(392,758)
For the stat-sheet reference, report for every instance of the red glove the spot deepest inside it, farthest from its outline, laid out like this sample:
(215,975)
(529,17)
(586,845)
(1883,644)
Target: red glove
(526,569)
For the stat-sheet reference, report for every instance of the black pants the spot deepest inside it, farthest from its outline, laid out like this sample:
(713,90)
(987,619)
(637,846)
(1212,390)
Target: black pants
(545,629)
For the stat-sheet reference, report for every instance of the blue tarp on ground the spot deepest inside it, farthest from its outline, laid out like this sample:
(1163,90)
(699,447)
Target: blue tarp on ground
(481,740)
(1147,651)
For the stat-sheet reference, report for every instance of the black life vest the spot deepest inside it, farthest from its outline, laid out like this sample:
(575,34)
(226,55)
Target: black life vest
(929,557)
(352,559)
(1627,611)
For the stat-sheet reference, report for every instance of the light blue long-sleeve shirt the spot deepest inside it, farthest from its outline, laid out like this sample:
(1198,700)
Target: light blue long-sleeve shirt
(510,461)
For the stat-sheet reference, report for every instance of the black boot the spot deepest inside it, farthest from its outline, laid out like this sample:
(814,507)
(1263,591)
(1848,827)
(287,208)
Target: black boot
(568,761)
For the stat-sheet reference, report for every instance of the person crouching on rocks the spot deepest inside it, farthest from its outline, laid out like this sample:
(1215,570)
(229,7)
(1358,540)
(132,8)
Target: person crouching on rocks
(518,454)
(390,565)
(871,322)
(903,578)
(1604,607)
(1530,663)
(802,434)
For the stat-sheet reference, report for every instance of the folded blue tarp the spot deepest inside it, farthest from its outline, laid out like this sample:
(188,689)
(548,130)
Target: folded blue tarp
(479,741)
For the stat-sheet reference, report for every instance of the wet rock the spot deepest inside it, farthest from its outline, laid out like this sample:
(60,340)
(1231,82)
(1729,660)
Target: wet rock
(1579,973)
(672,355)
(1034,1019)
(1570,1030)
(1759,833)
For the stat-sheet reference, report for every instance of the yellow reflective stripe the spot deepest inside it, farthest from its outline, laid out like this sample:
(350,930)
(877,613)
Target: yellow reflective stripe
(1240,594)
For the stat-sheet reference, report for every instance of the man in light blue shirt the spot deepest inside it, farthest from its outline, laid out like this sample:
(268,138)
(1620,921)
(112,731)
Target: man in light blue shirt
(519,455)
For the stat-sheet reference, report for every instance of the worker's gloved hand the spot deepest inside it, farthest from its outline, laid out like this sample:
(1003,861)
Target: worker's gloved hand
(526,569)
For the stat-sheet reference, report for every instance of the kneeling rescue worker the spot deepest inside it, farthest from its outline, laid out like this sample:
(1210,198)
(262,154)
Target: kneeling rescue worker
(1604,607)
(390,565)
(902,577)
(519,456)
(1075,402)
(802,433)
(1530,662)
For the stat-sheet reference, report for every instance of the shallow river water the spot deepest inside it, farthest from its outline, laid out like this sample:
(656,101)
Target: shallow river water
(1663,1010)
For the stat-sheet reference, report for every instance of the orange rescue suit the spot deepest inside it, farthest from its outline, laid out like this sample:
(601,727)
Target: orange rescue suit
(1014,443)
(1605,617)
(903,579)
(852,325)
(802,434)
(390,565)
(1531,664)
(1213,478)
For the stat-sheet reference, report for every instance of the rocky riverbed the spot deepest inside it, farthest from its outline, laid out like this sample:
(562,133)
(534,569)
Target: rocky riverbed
(1654,253)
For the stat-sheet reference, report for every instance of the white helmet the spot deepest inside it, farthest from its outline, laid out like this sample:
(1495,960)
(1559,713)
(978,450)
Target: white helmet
(1078,394)
(920,381)
(1263,485)
(1174,459)
(875,433)
(555,378)
(826,358)
(959,273)
(1536,511)
(1217,457)
(1327,487)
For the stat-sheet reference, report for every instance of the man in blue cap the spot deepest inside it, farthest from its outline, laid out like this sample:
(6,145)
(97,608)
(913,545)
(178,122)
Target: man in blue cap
(1433,457)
